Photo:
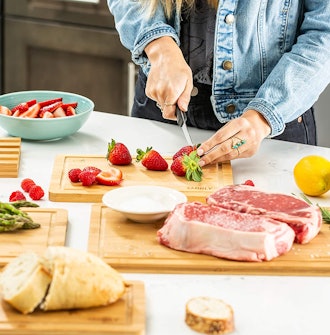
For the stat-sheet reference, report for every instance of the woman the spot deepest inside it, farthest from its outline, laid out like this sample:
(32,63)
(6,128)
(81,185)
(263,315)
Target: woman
(258,66)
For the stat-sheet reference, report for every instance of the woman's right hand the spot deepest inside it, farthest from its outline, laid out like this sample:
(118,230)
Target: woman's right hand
(169,81)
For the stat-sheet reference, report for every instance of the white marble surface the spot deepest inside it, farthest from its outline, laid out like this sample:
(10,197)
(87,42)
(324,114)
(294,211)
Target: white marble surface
(263,304)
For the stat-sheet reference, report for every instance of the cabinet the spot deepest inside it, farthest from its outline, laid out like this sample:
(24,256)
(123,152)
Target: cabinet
(66,46)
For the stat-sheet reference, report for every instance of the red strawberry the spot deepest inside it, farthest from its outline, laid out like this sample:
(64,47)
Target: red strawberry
(74,175)
(151,159)
(187,166)
(186,150)
(16,196)
(110,177)
(92,169)
(36,192)
(26,184)
(87,178)
(118,153)
(248,182)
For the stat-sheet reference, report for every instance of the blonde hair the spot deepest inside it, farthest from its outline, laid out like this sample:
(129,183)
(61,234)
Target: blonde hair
(170,5)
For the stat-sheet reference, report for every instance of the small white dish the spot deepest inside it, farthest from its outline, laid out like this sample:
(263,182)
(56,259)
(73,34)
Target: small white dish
(143,203)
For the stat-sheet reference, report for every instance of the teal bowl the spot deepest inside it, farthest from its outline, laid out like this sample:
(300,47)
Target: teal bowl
(44,129)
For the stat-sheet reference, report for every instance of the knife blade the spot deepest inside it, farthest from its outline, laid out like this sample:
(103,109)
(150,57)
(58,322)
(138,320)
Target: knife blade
(181,120)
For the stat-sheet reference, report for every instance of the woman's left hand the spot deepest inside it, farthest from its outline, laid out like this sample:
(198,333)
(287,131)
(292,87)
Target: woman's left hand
(239,138)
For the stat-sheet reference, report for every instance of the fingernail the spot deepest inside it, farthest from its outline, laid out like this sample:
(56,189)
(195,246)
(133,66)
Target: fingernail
(200,152)
(184,107)
(201,163)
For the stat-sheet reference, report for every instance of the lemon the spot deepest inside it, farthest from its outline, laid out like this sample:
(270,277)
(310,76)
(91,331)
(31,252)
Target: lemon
(312,175)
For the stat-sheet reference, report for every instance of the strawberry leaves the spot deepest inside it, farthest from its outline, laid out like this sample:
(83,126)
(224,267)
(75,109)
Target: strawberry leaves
(187,165)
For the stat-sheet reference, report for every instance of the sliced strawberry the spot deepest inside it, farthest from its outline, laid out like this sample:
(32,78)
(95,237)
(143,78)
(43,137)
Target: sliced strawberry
(151,159)
(59,112)
(50,108)
(111,177)
(47,115)
(5,111)
(32,112)
(16,196)
(49,102)
(23,106)
(69,111)
(70,104)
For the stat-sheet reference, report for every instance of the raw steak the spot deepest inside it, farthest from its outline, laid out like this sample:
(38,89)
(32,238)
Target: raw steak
(212,230)
(303,218)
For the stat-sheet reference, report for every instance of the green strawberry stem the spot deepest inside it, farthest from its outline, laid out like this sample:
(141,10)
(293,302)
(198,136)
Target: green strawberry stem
(193,170)
(141,153)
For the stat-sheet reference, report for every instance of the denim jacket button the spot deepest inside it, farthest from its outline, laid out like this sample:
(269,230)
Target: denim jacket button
(230,109)
(227,65)
(230,18)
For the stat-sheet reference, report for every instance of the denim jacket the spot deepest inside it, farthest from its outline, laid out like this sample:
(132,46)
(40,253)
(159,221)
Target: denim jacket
(278,53)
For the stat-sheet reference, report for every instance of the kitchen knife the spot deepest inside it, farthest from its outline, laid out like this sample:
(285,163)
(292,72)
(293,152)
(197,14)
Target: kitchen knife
(181,120)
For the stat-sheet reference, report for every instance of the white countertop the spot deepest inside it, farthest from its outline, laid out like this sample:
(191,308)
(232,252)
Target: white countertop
(262,304)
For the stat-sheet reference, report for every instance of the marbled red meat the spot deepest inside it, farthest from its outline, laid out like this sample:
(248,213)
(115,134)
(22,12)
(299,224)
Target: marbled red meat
(304,219)
(212,230)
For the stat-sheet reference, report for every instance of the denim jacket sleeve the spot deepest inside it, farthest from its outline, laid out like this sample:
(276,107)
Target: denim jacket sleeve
(280,51)
(301,74)
(136,29)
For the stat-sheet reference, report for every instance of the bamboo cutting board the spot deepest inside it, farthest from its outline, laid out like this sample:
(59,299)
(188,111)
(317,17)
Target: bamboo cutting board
(10,151)
(132,247)
(125,317)
(61,189)
(51,233)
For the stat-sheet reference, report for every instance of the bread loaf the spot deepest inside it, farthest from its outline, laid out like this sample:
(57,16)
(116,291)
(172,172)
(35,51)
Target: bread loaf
(209,316)
(62,278)
(80,280)
(24,282)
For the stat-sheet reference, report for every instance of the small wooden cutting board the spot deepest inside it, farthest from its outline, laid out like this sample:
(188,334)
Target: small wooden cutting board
(61,189)
(132,247)
(124,317)
(51,233)
(10,151)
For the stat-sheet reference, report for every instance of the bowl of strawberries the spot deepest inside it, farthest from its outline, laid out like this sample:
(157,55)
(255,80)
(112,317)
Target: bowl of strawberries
(43,115)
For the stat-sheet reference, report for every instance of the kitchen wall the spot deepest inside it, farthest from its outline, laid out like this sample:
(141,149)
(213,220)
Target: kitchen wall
(322,115)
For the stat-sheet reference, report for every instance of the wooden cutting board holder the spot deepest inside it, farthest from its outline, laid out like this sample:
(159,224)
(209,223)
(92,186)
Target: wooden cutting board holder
(10,151)
(132,247)
(61,189)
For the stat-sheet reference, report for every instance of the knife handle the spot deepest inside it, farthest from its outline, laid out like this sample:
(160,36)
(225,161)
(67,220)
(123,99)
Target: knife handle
(180,116)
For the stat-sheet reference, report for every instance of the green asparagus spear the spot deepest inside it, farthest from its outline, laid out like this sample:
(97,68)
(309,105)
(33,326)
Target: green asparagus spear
(13,218)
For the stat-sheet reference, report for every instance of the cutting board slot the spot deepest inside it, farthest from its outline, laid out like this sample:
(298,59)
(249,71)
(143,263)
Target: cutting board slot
(10,151)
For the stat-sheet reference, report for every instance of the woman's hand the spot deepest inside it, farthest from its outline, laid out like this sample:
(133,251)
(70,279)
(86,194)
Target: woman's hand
(169,81)
(239,138)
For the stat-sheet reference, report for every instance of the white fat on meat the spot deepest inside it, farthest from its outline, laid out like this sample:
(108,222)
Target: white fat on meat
(212,230)
(304,219)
